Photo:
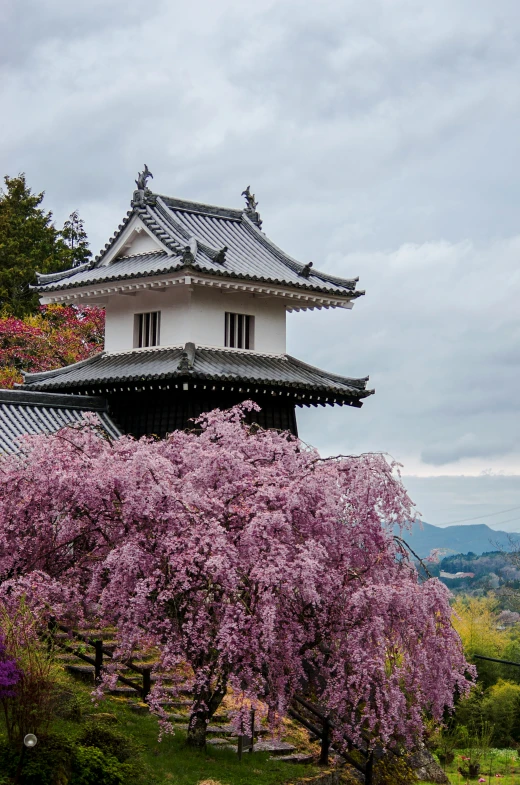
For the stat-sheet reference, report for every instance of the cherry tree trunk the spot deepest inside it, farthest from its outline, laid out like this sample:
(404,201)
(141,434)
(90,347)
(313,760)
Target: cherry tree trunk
(204,707)
(197,729)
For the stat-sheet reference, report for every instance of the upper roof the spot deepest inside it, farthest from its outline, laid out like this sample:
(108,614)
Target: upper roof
(207,364)
(211,240)
(23,413)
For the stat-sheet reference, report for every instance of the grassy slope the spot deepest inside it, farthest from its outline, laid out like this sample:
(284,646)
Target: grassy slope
(171,761)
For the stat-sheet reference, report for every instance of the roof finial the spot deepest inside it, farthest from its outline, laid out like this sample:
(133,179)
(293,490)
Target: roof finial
(142,177)
(143,194)
(306,270)
(251,205)
(187,357)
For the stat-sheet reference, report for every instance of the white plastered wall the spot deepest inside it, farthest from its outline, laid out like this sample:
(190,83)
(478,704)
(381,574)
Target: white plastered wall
(195,314)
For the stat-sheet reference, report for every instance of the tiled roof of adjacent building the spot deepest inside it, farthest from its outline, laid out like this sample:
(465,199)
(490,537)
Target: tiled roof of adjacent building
(30,413)
(207,364)
(210,240)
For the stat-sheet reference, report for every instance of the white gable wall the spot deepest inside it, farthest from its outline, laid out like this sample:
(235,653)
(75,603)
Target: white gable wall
(141,243)
(195,314)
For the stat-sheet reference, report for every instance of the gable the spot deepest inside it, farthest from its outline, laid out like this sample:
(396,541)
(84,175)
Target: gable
(140,242)
(136,238)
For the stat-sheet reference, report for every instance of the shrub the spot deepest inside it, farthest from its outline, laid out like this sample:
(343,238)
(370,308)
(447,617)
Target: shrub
(49,763)
(92,766)
(28,706)
(99,756)
(109,741)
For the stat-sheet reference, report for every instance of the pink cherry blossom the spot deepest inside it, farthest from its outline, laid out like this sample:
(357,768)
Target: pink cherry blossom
(248,560)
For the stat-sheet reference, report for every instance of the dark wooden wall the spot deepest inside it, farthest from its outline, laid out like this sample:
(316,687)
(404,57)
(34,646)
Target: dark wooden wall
(158,412)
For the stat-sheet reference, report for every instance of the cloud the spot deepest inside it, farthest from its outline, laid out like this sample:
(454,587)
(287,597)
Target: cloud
(469,445)
(438,334)
(488,498)
(381,141)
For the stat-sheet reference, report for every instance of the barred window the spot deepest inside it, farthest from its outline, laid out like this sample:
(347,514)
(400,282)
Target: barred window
(146,329)
(239,332)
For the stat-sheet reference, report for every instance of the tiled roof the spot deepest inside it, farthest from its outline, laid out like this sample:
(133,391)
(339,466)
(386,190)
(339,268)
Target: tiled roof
(23,412)
(218,365)
(206,230)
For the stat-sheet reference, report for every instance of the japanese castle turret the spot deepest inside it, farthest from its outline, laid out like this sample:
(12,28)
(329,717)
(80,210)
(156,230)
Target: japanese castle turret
(196,298)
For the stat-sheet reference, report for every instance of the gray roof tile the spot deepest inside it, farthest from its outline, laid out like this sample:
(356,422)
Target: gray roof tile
(226,365)
(250,255)
(30,413)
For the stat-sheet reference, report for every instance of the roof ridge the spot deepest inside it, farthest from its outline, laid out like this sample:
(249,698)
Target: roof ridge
(43,278)
(29,378)
(200,207)
(117,234)
(163,208)
(150,220)
(236,350)
(142,350)
(356,382)
(23,397)
(291,263)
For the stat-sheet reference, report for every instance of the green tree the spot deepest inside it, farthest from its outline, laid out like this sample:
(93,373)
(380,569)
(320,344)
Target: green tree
(75,238)
(501,708)
(29,243)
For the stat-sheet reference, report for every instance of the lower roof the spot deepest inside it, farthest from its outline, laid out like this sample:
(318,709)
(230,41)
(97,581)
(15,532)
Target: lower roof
(25,413)
(273,372)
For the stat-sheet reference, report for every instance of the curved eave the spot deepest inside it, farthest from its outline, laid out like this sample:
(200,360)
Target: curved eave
(300,393)
(333,388)
(347,293)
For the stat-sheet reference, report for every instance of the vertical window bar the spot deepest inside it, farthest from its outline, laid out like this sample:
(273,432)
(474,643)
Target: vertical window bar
(147,329)
(238,330)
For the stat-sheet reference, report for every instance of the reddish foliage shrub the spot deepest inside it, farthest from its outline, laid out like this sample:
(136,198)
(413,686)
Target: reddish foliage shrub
(57,336)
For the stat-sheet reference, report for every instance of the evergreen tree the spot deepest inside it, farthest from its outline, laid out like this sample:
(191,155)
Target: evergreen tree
(75,238)
(29,243)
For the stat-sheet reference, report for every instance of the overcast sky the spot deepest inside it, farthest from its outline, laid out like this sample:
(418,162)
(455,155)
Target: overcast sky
(381,140)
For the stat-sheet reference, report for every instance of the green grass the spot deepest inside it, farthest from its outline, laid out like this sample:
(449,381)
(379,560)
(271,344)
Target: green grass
(505,762)
(171,761)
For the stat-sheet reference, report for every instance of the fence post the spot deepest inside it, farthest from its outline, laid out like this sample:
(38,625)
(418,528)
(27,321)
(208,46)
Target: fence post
(325,743)
(369,769)
(147,682)
(251,746)
(98,660)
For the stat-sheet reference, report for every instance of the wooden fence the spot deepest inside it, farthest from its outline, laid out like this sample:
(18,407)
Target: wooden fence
(100,653)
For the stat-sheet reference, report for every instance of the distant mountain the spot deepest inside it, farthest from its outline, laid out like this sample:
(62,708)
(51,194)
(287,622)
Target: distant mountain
(471,538)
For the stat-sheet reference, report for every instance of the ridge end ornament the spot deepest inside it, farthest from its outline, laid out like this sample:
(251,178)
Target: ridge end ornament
(306,270)
(142,194)
(251,205)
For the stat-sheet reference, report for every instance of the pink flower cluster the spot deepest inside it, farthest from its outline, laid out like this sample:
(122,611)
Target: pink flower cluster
(244,555)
